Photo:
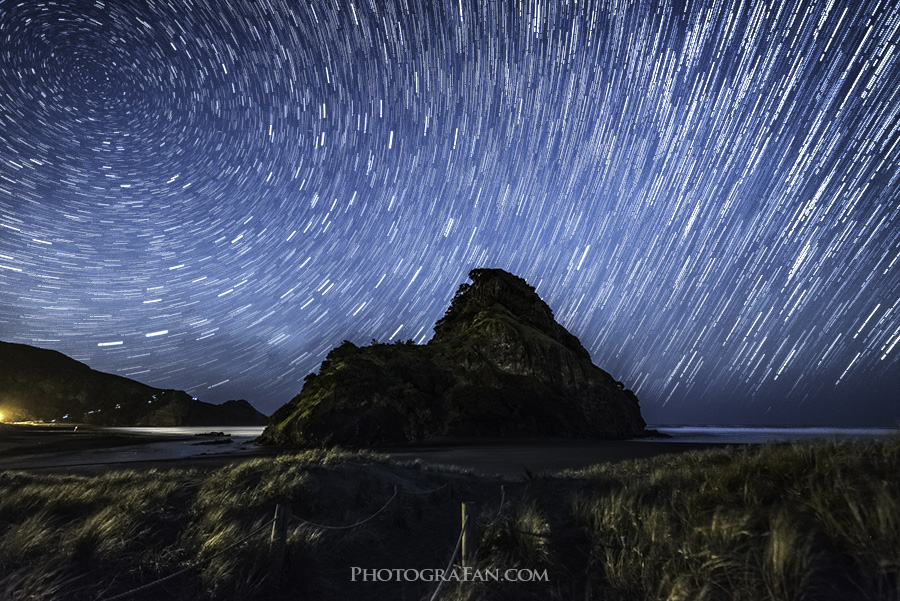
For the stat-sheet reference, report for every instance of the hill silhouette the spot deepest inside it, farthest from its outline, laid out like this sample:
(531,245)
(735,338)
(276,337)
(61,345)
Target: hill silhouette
(44,385)
(499,365)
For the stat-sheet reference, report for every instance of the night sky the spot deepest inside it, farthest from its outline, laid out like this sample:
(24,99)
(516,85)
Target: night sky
(211,195)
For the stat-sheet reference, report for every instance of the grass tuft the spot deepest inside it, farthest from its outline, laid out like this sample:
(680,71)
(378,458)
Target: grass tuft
(797,522)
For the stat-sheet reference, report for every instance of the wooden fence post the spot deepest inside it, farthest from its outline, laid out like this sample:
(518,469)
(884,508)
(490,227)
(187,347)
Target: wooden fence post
(278,541)
(469,534)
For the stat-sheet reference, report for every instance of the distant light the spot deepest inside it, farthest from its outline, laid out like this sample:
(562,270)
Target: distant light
(160,333)
(1,417)
(116,343)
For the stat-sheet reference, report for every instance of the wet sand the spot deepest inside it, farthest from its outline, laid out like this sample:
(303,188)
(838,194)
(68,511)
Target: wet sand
(25,439)
(89,449)
(517,458)
(62,449)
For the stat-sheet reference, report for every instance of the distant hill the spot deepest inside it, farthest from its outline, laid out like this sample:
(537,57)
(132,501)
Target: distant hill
(499,365)
(44,385)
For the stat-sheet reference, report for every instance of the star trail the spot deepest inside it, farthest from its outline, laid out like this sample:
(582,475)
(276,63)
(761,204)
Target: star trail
(210,196)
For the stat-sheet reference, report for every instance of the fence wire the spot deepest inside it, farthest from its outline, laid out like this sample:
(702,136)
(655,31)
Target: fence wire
(189,567)
(425,492)
(269,523)
(359,523)
(462,531)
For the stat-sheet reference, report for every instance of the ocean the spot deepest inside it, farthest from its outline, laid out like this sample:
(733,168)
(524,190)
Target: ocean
(756,435)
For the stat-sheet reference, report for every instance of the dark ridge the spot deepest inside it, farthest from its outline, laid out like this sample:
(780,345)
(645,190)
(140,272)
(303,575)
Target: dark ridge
(45,385)
(499,365)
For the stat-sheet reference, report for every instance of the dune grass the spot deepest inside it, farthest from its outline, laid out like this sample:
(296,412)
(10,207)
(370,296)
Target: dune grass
(76,537)
(812,521)
(786,522)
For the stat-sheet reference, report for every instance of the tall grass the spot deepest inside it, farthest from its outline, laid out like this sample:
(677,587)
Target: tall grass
(781,522)
(778,522)
(55,529)
(815,521)
(75,537)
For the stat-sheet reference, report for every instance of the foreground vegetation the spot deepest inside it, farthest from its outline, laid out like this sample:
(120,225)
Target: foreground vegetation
(781,522)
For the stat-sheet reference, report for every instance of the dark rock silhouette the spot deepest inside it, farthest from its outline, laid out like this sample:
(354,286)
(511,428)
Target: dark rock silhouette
(44,385)
(499,365)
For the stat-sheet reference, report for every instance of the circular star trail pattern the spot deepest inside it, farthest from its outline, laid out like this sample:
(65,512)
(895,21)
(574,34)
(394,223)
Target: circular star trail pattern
(210,196)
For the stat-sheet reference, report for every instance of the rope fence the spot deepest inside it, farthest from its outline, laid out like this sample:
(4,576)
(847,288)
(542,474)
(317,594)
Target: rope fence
(466,541)
(189,567)
(427,492)
(359,523)
(462,532)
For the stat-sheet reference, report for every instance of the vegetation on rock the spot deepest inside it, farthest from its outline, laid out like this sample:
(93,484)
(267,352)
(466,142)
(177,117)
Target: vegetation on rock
(498,365)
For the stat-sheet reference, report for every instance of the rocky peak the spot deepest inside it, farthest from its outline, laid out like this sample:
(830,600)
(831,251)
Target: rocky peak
(498,365)
(497,292)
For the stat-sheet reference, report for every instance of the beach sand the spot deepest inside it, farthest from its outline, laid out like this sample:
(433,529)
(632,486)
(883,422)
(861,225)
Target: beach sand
(90,449)
(517,458)
(63,449)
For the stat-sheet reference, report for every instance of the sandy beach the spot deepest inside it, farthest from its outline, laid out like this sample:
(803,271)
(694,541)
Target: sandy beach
(88,449)
(65,449)
(515,458)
